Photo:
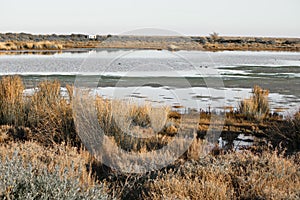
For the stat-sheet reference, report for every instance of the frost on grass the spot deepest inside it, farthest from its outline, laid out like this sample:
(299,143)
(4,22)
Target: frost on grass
(21,180)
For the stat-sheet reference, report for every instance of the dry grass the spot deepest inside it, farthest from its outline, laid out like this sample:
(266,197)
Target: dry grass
(214,36)
(43,45)
(241,175)
(46,45)
(46,112)
(238,175)
(59,172)
(213,43)
(50,115)
(126,120)
(3,46)
(12,106)
(135,127)
(200,173)
(285,134)
(58,155)
(4,133)
(257,106)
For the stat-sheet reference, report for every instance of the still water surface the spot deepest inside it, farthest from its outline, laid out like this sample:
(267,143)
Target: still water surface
(192,79)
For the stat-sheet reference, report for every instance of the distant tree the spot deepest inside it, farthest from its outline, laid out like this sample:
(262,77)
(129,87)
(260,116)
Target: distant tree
(214,36)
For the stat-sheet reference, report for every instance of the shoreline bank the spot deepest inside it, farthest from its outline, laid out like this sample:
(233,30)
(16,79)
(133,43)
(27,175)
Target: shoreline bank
(23,41)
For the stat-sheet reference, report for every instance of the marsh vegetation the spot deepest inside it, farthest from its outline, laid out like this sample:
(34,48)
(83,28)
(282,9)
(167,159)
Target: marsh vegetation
(40,145)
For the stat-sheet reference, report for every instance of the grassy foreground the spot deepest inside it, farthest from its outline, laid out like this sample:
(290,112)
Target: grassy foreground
(42,157)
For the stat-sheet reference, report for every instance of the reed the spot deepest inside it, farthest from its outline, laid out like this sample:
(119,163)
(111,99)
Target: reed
(51,114)
(257,106)
(125,120)
(12,106)
(43,45)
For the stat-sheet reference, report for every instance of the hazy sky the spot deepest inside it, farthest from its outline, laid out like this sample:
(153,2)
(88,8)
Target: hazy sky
(188,17)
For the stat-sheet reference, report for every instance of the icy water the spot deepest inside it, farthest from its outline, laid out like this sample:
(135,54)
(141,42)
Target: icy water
(186,79)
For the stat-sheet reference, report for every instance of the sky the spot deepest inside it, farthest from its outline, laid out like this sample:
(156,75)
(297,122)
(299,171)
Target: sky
(279,18)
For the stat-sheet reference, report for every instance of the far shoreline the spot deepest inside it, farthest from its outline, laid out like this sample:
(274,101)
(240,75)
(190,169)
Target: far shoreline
(24,42)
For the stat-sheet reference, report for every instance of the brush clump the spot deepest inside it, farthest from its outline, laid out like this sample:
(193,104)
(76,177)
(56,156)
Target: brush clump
(257,106)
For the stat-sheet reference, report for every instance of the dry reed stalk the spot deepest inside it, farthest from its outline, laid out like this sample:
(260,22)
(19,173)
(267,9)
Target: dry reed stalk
(12,106)
(257,106)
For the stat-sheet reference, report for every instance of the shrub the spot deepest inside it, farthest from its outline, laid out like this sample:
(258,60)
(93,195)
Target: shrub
(285,134)
(257,106)
(214,36)
(21,180)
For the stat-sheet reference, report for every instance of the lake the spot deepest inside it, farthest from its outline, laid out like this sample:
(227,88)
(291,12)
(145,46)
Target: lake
(185,79)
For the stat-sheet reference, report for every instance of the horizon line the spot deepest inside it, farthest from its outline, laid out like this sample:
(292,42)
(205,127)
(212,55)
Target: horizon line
(143,35)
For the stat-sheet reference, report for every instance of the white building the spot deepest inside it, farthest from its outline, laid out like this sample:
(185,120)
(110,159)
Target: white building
(92,37)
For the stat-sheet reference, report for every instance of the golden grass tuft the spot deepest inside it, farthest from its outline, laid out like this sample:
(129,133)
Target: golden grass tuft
(257,106)
(117,115)
(125,120)
(47,113)
(48,45)
(51,114)
(28,45)
(12,106)
(3,133)
(43,45)
(3,46)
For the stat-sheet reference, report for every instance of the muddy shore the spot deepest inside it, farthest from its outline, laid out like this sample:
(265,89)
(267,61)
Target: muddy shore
(28,42)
